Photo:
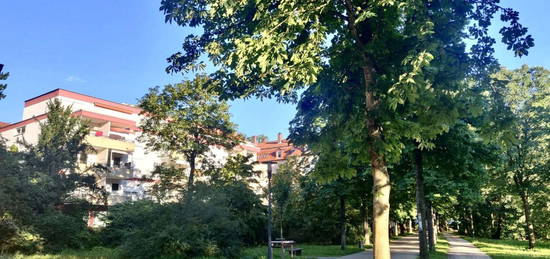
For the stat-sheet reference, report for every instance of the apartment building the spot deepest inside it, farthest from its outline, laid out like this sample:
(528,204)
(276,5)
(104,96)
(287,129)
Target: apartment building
(114,137)
(114,132)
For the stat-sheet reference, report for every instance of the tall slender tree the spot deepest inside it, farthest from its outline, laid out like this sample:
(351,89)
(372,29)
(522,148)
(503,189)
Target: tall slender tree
(381,48)
(521,102)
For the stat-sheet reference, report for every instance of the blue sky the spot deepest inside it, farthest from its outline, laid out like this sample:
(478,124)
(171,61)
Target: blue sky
(116,50)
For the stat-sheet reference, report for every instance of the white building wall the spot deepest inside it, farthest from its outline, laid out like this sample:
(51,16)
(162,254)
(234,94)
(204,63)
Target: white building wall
(32,130)
(41,108)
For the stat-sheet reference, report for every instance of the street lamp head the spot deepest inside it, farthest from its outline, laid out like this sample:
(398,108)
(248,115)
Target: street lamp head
(269,168)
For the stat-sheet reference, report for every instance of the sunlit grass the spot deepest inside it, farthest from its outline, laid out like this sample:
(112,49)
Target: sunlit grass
(441,248)
(308,251)
(511,249)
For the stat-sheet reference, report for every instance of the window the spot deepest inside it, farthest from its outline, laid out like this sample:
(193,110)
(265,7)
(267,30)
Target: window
(115,187)
(21,130)
(279,154)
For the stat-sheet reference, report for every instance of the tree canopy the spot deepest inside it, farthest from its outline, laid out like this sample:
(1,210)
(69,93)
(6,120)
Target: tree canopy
(396,53)
(188,119)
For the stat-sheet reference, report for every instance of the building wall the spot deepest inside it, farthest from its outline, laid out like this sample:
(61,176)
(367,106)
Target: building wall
(32,130)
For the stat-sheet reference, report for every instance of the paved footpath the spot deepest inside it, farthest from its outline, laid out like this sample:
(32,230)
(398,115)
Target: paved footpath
(463,249)
(402,248)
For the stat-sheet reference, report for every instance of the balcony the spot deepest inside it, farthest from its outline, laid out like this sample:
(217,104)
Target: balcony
(111,142)
(120,172)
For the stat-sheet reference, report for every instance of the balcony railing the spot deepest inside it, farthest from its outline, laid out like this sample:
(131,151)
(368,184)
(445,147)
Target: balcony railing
(110,142)
(119,197)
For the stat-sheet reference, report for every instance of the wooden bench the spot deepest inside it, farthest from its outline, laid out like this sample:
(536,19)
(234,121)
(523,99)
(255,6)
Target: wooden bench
(295,251)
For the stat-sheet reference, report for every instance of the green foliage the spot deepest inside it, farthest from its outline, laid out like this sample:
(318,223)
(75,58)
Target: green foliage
(377,74)
(61,231)
(223,216)
(187,119)
(520,105)
(3,76)
(152,230)
(8,231)
(37,182)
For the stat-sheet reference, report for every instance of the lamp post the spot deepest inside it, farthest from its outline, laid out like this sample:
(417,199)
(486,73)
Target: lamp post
(269,247)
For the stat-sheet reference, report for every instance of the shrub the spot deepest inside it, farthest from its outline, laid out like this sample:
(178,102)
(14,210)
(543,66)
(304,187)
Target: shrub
(149,230)
(8,231)
(61,231)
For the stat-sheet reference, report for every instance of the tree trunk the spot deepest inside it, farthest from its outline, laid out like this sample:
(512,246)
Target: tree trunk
(395,229)
(281,222)
(409,226)
(471,222)
(420,205)
(381,207)
(529,229)
(342,223)
(430,220)
(436,226)
(381,179)
(366,228)
(191,179)
(498,231)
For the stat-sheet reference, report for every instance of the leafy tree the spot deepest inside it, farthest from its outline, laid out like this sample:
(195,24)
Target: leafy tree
(37,190)
(521,97)
(53,160)
(283,182)
(187,118)
(383,47)
(3,76)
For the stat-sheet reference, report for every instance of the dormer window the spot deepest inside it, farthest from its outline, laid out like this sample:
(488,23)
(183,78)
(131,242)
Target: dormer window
(279,154)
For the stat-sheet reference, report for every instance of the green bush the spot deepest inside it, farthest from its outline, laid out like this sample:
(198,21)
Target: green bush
(149,230)
(8,232)
(60,231)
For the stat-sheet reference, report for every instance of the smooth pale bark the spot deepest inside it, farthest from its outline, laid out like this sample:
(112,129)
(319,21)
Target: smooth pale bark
(421,206)
(409,226)
(381,208)
(380,176)
(342,223)
(395,229)
(430,226)
(529,229)
(366,227)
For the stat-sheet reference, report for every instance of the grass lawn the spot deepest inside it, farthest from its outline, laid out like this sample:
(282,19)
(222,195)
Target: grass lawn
(510,249)
(308,251)
(441,248)
(95,253)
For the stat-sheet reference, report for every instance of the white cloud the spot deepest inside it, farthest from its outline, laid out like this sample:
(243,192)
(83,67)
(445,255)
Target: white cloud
(74,79)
